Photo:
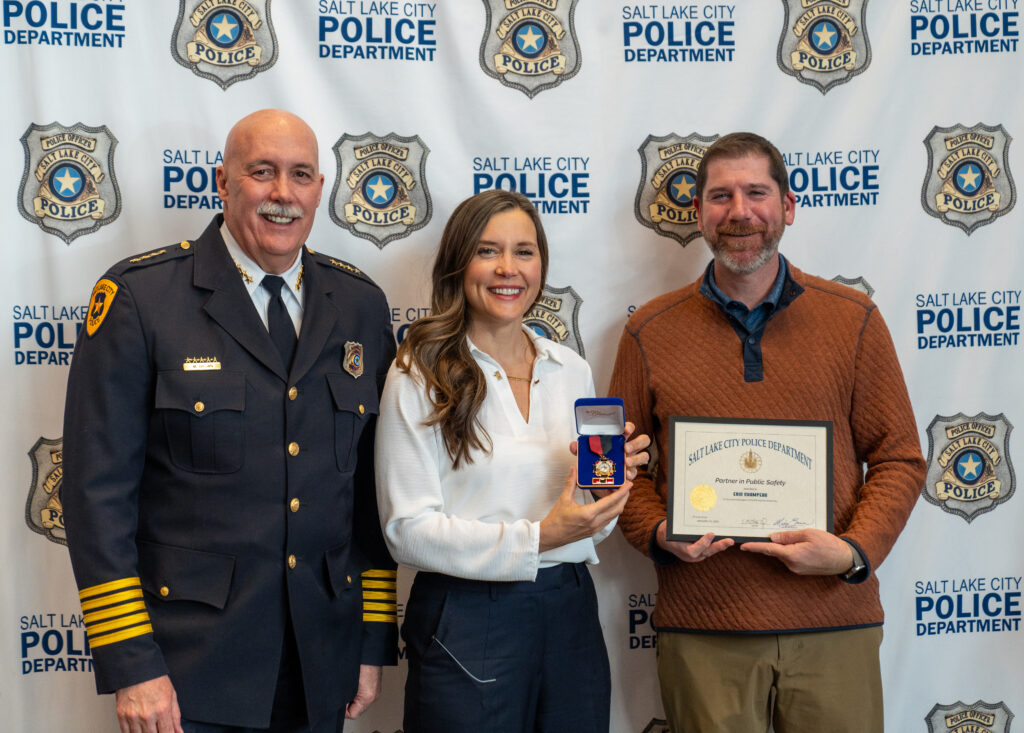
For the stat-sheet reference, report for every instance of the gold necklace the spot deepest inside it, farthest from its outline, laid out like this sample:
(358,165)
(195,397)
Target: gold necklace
(497,375)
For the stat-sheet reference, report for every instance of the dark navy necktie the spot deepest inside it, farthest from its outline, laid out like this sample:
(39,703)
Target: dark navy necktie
(279,323)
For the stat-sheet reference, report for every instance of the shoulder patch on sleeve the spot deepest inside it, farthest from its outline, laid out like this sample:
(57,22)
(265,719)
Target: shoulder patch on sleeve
(99,304)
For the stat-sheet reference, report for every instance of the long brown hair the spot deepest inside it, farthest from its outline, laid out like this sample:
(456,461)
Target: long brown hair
(436,344)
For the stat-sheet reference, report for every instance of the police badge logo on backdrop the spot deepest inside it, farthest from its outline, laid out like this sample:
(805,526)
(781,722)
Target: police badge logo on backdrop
(530,45)
(44,512)
(68,186)
(380,191)
(824,42)
(225,41)
(556,317)
(959,717)
(969,468)
(668,179)
(967,183)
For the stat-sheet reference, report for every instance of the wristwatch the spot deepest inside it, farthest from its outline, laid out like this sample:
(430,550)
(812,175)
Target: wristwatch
(858,565)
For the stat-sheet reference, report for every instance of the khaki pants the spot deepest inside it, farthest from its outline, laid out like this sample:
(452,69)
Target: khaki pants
(802,683)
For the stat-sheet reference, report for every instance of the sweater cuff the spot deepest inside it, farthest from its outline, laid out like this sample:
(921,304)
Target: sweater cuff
(660,556)
(865,573)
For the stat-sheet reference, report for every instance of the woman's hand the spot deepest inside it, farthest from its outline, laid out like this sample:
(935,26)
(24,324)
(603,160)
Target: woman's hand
(568,521)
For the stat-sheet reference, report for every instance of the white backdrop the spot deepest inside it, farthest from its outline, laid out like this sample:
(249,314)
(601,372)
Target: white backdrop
(111,133)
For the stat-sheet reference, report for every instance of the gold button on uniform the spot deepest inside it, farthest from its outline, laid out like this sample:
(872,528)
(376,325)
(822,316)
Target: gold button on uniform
(348,578)
(294,505)
(293,393)
(361,409)
(200,407)
(186,245)
(293,449)
(165,591)
(292,562)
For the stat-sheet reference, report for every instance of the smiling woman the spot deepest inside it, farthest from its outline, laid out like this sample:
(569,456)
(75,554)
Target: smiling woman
(502,279)
(476,490)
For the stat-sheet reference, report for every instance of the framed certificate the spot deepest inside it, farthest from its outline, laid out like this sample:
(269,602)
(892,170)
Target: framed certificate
(747,478)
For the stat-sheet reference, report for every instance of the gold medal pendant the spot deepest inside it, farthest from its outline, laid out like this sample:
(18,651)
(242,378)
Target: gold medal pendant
(604,467)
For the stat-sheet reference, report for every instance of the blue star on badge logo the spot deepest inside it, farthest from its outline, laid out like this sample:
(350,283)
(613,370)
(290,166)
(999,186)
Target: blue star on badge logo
(680,188)
(825,36)
(530,39)
(969,177)
(379,189)
(224,28)
(66,181)
(969,466)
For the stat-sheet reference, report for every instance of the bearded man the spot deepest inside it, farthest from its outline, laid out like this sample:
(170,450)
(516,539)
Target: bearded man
(784,631)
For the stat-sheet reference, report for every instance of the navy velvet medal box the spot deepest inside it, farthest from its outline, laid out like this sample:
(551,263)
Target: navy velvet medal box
(601,448)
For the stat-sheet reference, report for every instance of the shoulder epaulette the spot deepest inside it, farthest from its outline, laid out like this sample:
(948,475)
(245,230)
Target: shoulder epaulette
(341,265)
(164,254)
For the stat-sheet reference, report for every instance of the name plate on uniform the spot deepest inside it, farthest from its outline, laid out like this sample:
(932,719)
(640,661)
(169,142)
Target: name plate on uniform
(745,479)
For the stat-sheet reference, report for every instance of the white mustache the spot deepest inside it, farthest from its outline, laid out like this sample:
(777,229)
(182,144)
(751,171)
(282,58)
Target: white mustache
(269,208)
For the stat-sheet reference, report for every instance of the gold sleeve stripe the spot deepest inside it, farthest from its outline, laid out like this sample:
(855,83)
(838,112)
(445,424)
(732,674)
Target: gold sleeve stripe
(117,623)
(91,618)
(392,574)
(120,636)
(382,617)
(108,587)
(376,595)
(381,584)
(385,607)
(128,595)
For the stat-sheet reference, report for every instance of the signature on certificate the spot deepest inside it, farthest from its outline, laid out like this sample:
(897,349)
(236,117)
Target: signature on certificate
(780,523)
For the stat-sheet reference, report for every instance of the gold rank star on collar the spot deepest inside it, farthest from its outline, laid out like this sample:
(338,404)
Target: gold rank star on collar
(248,278)
(241,271)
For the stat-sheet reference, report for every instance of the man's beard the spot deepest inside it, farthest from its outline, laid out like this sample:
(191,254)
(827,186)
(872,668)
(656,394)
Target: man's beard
(726,255)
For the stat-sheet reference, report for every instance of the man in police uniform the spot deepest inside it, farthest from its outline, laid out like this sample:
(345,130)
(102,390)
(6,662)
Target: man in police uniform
(218,485)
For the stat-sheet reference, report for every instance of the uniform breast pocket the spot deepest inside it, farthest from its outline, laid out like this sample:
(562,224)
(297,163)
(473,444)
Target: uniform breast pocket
(355,403)
(202,415)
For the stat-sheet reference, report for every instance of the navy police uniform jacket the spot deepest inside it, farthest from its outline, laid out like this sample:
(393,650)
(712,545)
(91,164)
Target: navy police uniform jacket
(208,492)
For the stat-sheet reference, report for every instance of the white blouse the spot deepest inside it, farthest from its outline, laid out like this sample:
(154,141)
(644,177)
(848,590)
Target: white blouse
(482,521)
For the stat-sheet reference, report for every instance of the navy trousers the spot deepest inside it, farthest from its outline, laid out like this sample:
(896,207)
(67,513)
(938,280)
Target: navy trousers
(520,657)
(289,710)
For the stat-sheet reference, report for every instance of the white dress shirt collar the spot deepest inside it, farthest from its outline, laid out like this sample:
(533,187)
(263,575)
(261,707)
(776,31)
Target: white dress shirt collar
(252,276)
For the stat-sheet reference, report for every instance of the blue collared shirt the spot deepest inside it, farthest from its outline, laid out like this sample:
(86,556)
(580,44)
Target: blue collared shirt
(750,318)
(749,323)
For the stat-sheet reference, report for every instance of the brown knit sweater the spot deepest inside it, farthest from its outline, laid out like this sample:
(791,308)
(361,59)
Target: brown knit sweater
(827,356)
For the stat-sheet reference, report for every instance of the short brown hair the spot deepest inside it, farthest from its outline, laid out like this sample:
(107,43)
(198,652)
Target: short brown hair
(740,145)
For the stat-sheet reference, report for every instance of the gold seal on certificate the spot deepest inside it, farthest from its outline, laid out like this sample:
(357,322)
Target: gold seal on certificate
(745,478)
(703,498)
